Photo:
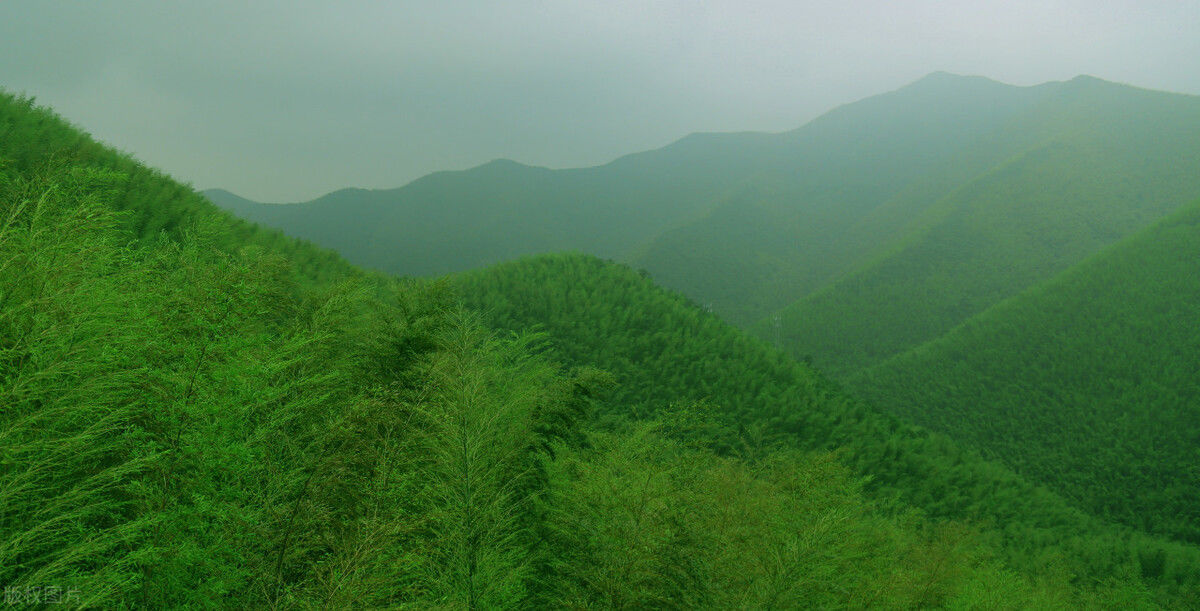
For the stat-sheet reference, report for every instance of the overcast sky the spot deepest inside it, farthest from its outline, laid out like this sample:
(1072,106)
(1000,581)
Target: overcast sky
(285,101)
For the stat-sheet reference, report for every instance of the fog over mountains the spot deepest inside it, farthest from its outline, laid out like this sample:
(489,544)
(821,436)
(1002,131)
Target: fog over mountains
(936,348)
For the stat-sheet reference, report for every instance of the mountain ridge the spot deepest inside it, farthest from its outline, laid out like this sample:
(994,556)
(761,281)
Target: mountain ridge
(627,200)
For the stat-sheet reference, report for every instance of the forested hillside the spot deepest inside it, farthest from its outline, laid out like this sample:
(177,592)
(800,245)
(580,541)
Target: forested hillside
(1108,161)
(1089,382)
(198,413)
(33,139)
(745,395)
(934,248)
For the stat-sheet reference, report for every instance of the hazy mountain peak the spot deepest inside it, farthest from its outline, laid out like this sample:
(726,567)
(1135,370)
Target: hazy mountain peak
(942,75)
(1086,81)
(504,163)
(941,80)
(1087,85)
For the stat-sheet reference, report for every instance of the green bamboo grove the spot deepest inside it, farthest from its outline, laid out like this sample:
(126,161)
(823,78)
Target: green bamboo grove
(197,412)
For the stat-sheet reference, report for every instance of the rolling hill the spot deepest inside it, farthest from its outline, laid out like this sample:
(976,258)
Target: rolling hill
(1088,382)
(663,349)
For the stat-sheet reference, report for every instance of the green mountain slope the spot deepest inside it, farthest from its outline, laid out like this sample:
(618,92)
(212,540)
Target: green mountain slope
(35,140)
(1089,382)
(1108,160)
(663,350)
(195,413)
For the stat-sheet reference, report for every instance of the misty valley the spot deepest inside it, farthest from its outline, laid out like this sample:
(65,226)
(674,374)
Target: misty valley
(936,348)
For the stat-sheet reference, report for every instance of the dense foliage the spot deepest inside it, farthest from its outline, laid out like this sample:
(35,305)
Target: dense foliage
(184,426)
(195,412)
(646,522)
(34,138)
(1089,383)
(664,350)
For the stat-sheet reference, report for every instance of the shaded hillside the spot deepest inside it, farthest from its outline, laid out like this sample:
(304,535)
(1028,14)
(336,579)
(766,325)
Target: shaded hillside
(451,221)
(844,185)
(1108,161)
(664,350)
(1089,382)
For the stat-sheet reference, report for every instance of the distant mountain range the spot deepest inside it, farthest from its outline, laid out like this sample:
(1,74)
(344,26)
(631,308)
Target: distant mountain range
(753,224)
(450,221)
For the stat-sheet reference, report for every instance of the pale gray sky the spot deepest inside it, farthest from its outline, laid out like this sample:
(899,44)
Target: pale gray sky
(284,101)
